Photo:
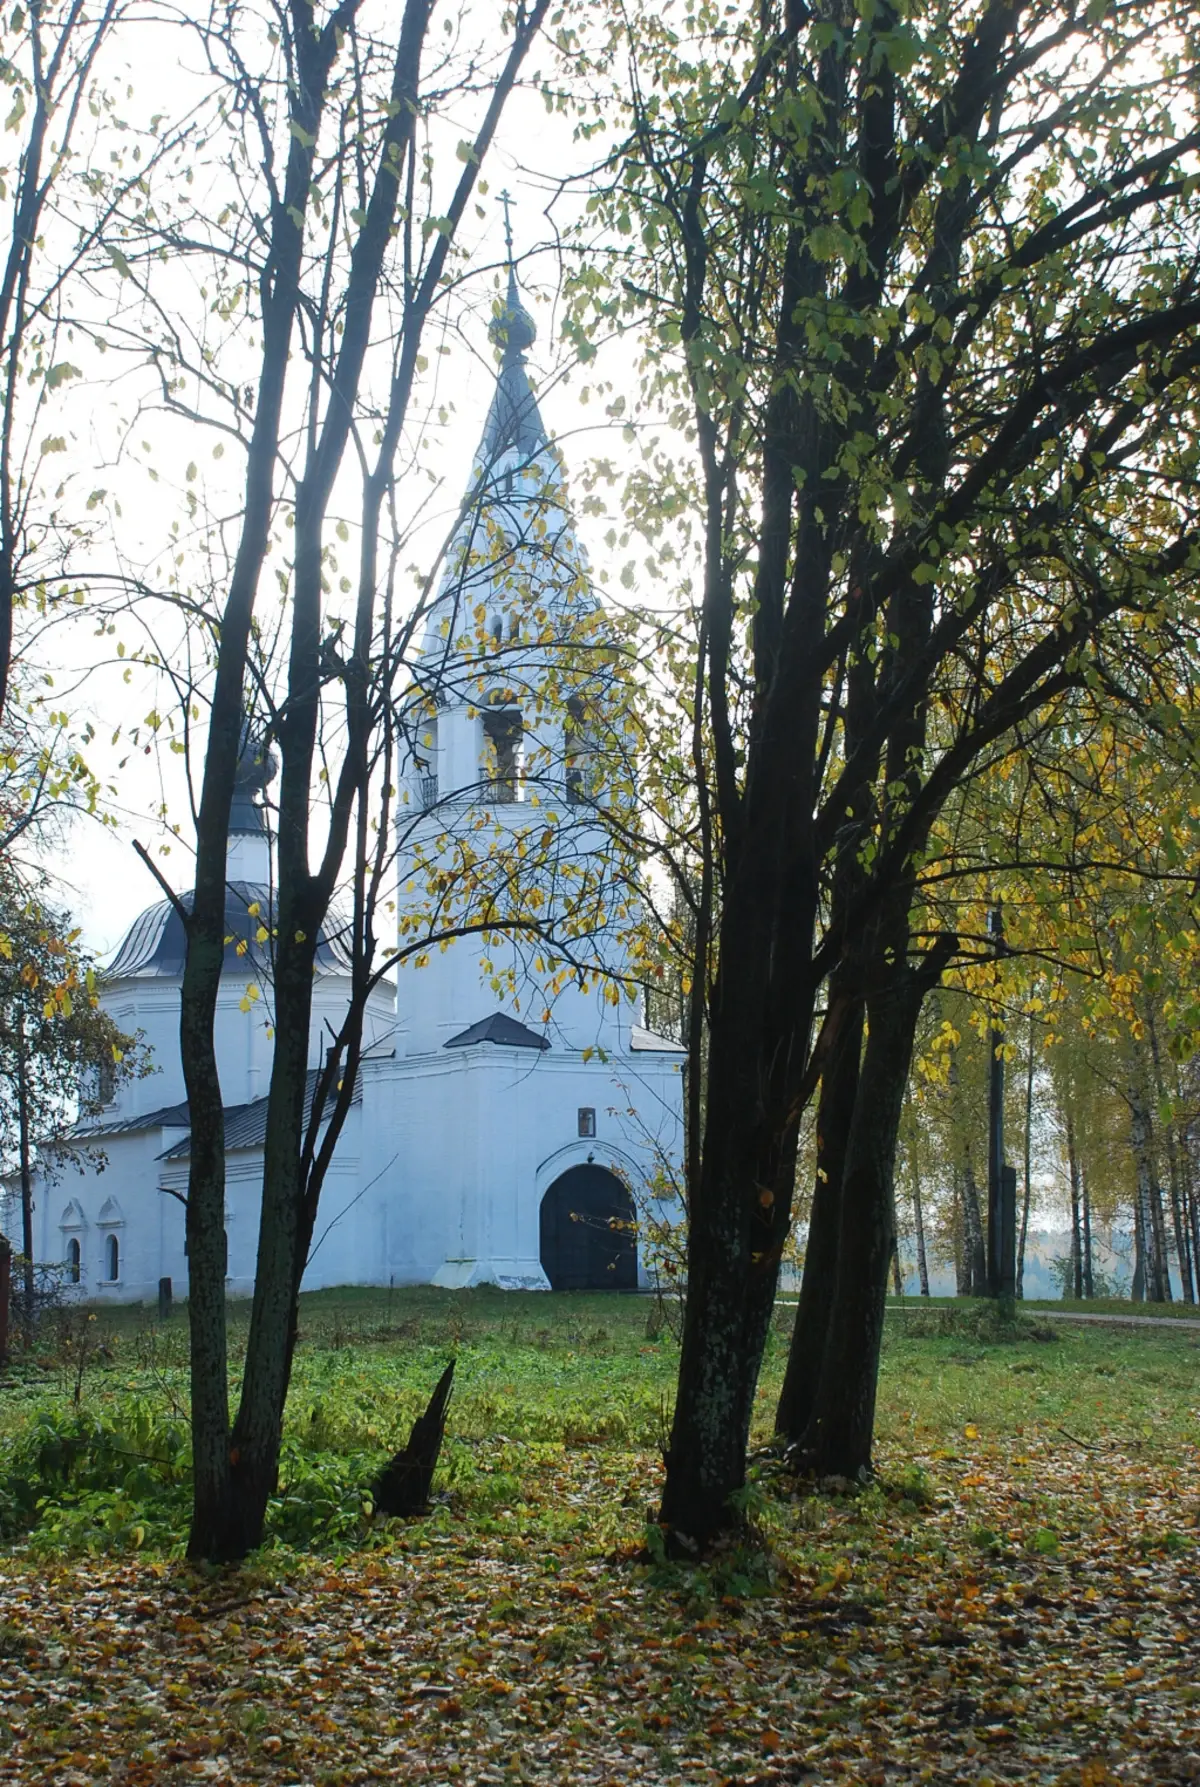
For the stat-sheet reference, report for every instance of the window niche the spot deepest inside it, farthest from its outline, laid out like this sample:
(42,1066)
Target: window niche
(112,1258)
(425,755)
(504,732)
(586,1120)
(74,1261)
(579,757)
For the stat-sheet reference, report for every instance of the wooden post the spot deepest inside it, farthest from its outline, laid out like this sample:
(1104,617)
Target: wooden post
(164,1299)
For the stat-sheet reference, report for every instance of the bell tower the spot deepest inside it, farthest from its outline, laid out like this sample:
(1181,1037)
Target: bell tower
(502,782)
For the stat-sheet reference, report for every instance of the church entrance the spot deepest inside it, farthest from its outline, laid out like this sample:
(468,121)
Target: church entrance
(588,1241)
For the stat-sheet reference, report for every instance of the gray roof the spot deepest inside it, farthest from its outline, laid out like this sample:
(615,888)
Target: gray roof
(168,1116)
(500,1029)
(246,1124)
(155,946)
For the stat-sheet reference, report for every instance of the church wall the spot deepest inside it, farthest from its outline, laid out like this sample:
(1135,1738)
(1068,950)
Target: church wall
(121,1199)
(474,1129)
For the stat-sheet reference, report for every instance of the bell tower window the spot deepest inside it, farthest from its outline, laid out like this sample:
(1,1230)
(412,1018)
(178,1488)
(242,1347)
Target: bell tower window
(578,755)
(426,758)
(504,731)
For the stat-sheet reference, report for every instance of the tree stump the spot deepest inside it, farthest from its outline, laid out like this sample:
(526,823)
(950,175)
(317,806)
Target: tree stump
(402,1486)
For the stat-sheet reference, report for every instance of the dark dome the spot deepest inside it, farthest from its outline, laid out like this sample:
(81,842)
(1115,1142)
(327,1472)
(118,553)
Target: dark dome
(512,329)
(155,944)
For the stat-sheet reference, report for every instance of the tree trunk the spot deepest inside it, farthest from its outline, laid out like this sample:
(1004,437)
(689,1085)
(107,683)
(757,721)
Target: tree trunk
(282,1246)
(962,1257)
(897,1278)
(922,1257)
(1089,1290)
(1148,1227)
(1178,1219)
(25,1150)
(835,1113)
(5,1295)
(1076,1284)
(840,1433)
(739,1208)
(1028,1162)
(974,1247)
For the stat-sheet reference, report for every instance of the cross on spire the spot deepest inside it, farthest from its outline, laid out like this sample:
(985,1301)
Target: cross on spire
(506,201)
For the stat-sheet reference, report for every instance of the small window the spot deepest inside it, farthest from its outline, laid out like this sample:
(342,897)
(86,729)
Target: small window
(587,1120)
(112,1259)
(73,1260)
(106,1080)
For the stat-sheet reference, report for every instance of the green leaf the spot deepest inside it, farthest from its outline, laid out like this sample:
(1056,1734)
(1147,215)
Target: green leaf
(58,375)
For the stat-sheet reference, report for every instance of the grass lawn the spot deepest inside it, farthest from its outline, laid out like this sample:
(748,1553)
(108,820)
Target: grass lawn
(1014,1600)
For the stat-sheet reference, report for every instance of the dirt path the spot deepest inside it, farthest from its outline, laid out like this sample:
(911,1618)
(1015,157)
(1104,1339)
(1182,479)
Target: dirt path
(1118,1321)
(1107,1319)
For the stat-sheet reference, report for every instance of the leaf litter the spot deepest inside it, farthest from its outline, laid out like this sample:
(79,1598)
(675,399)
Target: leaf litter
(1032,1614)
(1016,1599)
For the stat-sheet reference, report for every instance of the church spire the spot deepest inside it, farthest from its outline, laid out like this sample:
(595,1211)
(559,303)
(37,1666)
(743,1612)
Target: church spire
(513,423)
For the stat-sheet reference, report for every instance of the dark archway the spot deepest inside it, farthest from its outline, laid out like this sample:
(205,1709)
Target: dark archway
(588,1241)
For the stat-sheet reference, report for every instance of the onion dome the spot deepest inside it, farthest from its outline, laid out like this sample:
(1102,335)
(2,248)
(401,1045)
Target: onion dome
(257,767)
(514,423)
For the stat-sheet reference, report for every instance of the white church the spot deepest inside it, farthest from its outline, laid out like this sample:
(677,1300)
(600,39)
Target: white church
(506,1129)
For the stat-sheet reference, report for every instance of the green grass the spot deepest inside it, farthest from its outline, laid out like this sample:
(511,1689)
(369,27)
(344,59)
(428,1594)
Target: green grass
(94,1451)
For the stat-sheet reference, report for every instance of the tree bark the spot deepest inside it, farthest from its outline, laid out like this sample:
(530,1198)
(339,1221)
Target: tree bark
(1148,1230)
(1076,1284)
(841,1430)
(1178,1218)
(25,1154)
(835,1115)
(974,1246)
(1089,1290)
(922,1257)
(1028,1164)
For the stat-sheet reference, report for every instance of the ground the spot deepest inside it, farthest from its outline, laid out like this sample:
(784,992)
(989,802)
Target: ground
(1015,1600)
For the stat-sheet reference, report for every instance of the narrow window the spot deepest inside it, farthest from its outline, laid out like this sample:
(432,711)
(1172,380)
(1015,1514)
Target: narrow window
(73,1260)
(112,1259)
(578,754)
(587,1120)
(427,762)
(504,731)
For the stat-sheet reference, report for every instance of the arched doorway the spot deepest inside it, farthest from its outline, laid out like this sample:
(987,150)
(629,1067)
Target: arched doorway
(587,1232)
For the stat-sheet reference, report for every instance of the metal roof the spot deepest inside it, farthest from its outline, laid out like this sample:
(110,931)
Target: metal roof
(500,1029)
(168,1116)
(514,423)
(155,946)
(246,1124)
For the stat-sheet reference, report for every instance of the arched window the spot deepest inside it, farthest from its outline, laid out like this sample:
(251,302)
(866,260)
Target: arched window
(73,1259)
(503,729)
(112,1259)
(427,761)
